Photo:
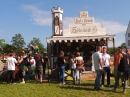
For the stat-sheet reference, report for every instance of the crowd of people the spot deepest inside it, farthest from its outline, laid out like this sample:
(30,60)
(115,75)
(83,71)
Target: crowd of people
(100,60)
(121,67)
(16,64)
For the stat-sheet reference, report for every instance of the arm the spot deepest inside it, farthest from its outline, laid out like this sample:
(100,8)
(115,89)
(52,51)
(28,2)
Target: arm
(120,57)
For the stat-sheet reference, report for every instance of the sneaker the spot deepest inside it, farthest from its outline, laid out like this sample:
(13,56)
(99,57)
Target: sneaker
(64,83)
(124,91)
(7,83)
(23,82)
(41,82)
(113,90)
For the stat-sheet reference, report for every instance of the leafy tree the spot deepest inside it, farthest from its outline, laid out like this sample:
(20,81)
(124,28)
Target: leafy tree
(36,45)
(18,42)
(112,51)
(123,45)
(8,48)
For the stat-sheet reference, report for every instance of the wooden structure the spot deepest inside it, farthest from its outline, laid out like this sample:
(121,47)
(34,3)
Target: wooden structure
(83,36)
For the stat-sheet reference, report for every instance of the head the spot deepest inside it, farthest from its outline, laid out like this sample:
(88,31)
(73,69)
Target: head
(99,48)
(121,49)
(78,54)
(72,56)
(61,53)
(128,51)
(104,50)
(10,55)
(30,56)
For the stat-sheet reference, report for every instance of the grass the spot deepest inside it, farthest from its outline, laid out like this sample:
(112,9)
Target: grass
(53,89)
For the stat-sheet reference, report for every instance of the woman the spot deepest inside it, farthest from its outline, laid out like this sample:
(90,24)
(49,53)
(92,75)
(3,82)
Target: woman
(21,68)
(79,66)
(61,65)
(39,69)
(73,66)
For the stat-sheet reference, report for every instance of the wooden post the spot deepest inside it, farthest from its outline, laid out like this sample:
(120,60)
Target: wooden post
(113,44)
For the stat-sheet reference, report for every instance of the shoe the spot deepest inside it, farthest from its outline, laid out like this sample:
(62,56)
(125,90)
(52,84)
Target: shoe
(109,85)
(113,90)
(23,82)
(98,89)
(63,83)
(41,82)
(7,83)
(95,88)
(13,83)
(124,91)
(102,86)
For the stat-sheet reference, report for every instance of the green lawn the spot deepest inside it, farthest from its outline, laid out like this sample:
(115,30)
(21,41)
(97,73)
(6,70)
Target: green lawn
(53,89)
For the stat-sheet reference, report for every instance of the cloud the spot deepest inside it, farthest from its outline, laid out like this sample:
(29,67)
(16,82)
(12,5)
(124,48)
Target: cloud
(39,17)
(112,27)
(44,18)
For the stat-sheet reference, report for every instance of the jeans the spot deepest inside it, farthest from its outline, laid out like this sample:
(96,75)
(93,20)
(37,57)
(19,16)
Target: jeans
(61,74)
(73,71)
(10,76)
(106,70)
(98,77)
(29,71)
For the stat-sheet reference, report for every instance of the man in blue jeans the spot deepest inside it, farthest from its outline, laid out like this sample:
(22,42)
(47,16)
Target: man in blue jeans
(97,59)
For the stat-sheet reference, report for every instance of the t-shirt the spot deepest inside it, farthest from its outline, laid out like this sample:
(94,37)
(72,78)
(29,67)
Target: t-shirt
(116,59)
(11,63)
(106,58)
(96,56)
(32,62)
(60,61)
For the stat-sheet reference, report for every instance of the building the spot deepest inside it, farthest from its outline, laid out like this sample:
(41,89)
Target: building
(127,36)
(84,35)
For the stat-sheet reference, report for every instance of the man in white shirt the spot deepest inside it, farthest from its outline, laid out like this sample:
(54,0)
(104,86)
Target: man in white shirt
(97,59)
(106,66)
(11,68)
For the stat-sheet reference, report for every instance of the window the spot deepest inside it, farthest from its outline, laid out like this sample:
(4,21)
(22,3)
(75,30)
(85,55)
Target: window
(128,42)
(128,34)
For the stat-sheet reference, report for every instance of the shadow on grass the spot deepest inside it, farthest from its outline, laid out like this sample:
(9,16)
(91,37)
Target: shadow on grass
(86,89)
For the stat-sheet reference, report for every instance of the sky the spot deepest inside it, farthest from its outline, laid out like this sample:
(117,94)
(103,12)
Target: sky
(33,18)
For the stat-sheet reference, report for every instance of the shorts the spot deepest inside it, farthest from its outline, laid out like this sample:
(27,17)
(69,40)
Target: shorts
(39,71)
(115,70)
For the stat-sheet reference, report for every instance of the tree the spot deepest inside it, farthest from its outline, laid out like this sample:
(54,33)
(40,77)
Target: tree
(8,48)
(36,45)
(18,42)
(123,45)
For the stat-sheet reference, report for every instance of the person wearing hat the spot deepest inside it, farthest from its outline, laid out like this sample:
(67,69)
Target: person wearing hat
(122,67)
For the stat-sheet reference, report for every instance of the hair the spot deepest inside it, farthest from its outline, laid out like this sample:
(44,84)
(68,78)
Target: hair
(78,54)
(98,48)
(72,56)
(61,53)
(10,54)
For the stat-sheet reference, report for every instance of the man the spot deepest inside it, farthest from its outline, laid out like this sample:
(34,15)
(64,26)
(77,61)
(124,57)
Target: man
(97,59)
(106,66)
(122,59)
(116,63)
(11,68)
(128,56)
(46,61)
